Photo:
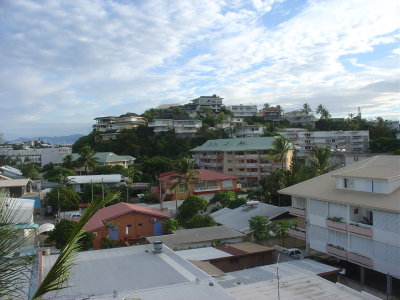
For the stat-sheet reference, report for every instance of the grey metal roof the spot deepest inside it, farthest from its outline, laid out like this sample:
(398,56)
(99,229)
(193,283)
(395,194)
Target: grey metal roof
(202,253)
(131,270)
(238,218)
(268,272)
(196,235)
(82,179)
(238,144)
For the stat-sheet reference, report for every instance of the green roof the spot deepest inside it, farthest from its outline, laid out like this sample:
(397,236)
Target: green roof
(102,157)
(241,144)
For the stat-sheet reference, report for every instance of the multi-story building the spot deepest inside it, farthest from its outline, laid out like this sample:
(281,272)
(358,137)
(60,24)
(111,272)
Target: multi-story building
(184,126)
(300,118)
(271,113)
(352,213)
(109,127)
(247,158)
(243,110)
(344,141)
(214,102)
(23,156)
(51,155)
(245,131)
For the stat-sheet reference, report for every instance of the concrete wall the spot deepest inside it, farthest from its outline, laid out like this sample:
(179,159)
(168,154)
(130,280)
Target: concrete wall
(241,262)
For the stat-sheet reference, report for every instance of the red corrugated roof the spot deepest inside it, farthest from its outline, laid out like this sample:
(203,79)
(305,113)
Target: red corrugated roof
(119,209)
(204,175)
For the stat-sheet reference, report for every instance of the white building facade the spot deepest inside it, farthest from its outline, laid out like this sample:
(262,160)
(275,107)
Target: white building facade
(243,110)
(353,213)
(214,102)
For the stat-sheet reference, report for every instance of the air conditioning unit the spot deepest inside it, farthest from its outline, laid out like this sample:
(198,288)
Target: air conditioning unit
(153,220)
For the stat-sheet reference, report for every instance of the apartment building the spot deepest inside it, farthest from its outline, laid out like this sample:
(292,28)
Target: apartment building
(271,113)
(243,110)
(51,155)
(22,156)
(110,126)
(300,118)
(246,158)
(214,102)
(353,213)
(343,141)
(245,131)
(182,125)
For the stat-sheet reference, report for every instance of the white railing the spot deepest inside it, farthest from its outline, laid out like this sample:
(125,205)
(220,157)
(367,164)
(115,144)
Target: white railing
(207,188)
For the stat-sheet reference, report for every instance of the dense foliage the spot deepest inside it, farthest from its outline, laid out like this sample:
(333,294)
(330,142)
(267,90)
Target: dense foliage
(64,196)
(62,231)
(259,226)
(190,207)
(228,199)
(58,175)
(200,220)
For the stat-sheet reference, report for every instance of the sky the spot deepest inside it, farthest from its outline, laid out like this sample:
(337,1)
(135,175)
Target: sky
(63,63)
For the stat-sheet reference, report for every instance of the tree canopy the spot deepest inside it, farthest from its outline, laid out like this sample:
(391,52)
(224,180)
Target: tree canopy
(62,231)
(69,199)
(190,207)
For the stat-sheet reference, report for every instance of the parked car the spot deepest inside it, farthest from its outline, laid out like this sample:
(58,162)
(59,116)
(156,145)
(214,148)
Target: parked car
(74,216)
(48,211)
(293,252)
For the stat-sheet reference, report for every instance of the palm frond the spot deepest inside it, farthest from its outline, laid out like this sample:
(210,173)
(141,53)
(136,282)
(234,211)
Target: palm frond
(58,275)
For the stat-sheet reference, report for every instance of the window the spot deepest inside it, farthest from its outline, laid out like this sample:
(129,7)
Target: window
(140,225)
(348,183)
(230,170)
(229,161)
(94,234)
(333,141)
(308,142)
(181,188)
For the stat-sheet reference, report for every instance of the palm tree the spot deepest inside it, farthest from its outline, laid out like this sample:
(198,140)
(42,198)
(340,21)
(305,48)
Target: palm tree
(68,162)
(87,159)
(319,159)
(307,109)
(321,109)
(280,147)
(185,174)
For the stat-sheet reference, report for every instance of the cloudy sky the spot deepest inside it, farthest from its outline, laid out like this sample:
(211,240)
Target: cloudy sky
(63,63)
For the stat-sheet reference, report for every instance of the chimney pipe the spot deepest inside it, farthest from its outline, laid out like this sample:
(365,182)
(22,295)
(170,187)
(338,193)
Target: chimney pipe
(157,246)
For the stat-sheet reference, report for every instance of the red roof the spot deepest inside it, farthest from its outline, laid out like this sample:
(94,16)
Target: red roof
(119,209)
(204,175)
(231,250)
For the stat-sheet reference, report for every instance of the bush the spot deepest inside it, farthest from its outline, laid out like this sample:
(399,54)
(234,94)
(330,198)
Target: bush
(60,234)
(150,198)
(199,220)
(190,207)
(69,199)
(259,225)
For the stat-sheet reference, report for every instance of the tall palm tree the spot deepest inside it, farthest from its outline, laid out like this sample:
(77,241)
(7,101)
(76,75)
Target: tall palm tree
(321,109)
(280,147)
(319,159)
(307,109)
(68,162)
(186,173)
(87,159)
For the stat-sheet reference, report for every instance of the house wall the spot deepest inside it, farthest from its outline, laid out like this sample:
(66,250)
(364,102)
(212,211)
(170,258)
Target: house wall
(241,262)
(134,232)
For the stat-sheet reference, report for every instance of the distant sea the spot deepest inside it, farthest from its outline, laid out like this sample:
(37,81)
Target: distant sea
(58,140)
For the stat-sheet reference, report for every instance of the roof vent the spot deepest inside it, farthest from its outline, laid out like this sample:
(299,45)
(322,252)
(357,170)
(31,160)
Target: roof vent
(157,246)
(252,203)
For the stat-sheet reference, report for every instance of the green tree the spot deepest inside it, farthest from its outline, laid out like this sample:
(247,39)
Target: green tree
(190,207)
(319,159)
(93,191)
(321,110)
(307,109)
(281,228)
(280,148)
(64,196)
(62,231)
(58,175)
(385,145)
(155,166)
(150,198)
(259,226)
(103,170)
(30,170)
(68,162)
(87,159)
(277,180)
(228,199)
(199,220)
(185,173)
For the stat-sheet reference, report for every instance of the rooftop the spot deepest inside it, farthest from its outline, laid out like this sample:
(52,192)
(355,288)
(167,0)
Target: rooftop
(83,179)
(384,172)
(14,182)
(102,157)
(203,175)
(238,144)
(196,235)
(324,187)
(238,218)
(119,209)
(135,272)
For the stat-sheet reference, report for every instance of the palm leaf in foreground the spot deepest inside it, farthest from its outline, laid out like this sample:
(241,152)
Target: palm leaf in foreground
(58,275)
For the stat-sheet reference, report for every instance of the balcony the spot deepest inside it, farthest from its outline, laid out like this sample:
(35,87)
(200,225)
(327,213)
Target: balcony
(359,229)
(207,189)
(299,212)
(337,252)
(252,155)
(360,259)
(336,224)
(297,233)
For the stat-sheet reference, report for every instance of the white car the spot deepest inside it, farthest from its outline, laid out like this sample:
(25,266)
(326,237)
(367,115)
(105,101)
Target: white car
(293,252)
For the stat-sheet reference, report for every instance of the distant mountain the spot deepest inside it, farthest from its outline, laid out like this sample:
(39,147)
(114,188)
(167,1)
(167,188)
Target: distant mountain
(58,140)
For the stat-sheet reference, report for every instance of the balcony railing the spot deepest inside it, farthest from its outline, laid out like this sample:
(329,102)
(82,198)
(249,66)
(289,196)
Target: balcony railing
(336,225)
(297,211)
(360,229)
(297,233)
(207,188)
(360,259)
(340,253)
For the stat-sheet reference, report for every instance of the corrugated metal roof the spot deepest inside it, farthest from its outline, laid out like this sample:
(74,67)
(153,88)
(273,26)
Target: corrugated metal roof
(196,235)
(135,272)
(297,287)
(238,218)
(84,179)
(119,209)
(102,157)
(14,182)
(239,144)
